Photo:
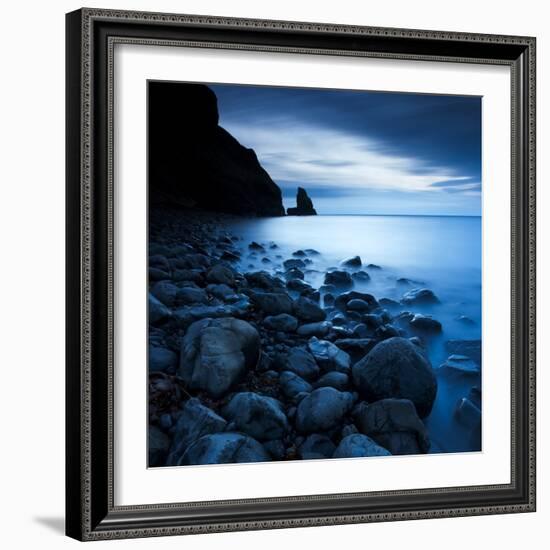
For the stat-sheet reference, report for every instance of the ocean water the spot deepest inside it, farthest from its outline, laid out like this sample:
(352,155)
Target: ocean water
(442,253)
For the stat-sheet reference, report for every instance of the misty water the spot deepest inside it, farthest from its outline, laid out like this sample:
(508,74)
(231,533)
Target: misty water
(442,253)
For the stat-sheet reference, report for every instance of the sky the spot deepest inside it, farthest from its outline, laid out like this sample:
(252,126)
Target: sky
(359,152)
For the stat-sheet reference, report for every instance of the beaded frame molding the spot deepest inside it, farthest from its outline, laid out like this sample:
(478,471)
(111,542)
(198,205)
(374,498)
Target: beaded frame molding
(90,510)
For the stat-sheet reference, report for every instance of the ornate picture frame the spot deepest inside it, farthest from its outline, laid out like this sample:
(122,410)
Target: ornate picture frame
(91,509)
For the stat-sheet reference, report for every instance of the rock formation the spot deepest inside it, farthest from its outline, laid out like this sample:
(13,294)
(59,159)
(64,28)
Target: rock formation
(195,162)
(304,205)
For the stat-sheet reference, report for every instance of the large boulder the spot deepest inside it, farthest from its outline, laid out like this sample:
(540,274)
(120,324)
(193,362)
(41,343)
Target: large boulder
(322,410)
(194,161)
(216,353)
(395,425)
(225,448)
(359,445)
(261,417)
(304,205)
(328,356)
(195,421)
(342,301)
(397,368)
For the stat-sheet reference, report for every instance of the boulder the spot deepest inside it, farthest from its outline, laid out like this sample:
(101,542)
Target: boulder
(195,162)
(256,415)
(319,329)
(307,310)
(264,281)
(470,348)
(425,323)
(216,353)
(420,297)
(396,368)
(272,303)
(395,425)
(304,205)
(316,446)
(187,315)
(353,261)
(282,322)
(328,356)
(165,292)
(339,279)
(195,421)
(292,385)
(358,445)
(294,263)
(337,380)
(221,274)
(468,414)
(189,295)
(222,292)
(356,348)
(342,301)
(302,363)
(225,448)
(360,277)
(322,410)
(161,359)
(459,365)
(158,312)
(358,305)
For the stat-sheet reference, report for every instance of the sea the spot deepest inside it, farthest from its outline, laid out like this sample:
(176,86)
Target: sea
(442,253)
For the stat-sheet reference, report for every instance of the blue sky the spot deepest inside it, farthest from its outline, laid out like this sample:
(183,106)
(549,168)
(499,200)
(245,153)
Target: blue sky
(361,152)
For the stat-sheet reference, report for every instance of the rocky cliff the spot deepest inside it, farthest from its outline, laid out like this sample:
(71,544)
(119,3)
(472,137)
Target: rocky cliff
(304,205)
(194,161)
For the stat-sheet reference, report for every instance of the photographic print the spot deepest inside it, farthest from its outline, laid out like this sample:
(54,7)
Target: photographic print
(314,273)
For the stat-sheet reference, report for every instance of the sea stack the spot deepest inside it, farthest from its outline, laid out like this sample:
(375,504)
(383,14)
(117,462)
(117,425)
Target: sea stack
(304,205)
(194,162)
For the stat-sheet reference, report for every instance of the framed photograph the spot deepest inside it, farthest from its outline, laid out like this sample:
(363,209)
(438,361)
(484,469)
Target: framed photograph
(300,274)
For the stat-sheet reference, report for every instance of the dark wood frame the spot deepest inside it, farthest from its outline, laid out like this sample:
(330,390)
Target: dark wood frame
(90,512)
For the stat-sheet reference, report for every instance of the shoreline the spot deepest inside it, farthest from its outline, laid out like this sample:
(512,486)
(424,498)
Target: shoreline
(248,366)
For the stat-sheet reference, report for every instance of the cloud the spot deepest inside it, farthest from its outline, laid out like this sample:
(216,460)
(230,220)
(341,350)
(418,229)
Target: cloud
(320,156)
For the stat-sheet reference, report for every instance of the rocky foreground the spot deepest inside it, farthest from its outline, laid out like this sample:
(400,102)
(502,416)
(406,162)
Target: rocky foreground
(258,366)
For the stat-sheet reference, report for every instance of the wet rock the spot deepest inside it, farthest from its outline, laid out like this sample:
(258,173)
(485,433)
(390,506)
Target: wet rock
(256,246)
(359,445)
(312,252)
(264,281)
(162,359)
(292,385)
(302,363)
(389,303)
(395,425)
(256,415)
(356,348)
(316,446)
(322,410)
(353,261)
(225,448)
(294,263)
(474,395)
(328,356)
(307,310)
(282,322)
(159,261)
(360,277)
(195,421)
(420,296)
(385,332)
(337,380)
(358,305)
(158,312)
(165,292)
(459,365)
(465,320)
(276,449)
(272,303)
(342,301)
(187,315)
(319,329)
(425,323)
(374,267)
(158,445)
(299,254)
(222,292)
(190,295)
(216,353)
(193,275)
(294,274)
(221,274)
(339,279)
(297,285)
(396,368)
(328,300)
(470,348)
